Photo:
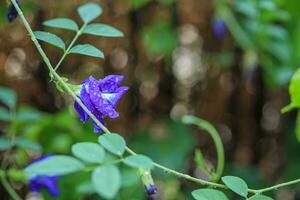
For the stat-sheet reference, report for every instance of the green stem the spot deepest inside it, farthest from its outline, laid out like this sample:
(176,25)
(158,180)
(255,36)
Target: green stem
(9,188)
(216,138)
(79,32)
(70,92)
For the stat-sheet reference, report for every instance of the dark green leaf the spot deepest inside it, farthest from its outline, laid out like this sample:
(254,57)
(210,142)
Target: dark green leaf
(107,181)
(260,197)
(86,188)
(139,161)
(5,115)
(102,30)
(88,50)
(62,23)
(28,144)
(298,126)
(208,194)
(8,97)
(50,38)
(236,184)
(89,152)
(4,144)
(90,11)
(55,165)
(113,143)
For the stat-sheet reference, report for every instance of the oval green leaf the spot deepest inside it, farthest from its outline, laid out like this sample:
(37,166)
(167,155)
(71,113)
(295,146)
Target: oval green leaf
(55,165)
(90,11)
(236,184)
(28,144)
(102,30)
(50,38)
(4,144)
(5,115)
(260,197)
(208,194)
(62,23)
(89,152)
(8,97)
(106,181)
(88,50)
(113,142)
(139,161)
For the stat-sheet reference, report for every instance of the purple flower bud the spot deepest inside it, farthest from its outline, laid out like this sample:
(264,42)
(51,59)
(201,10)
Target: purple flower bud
(12,13)
(148,182)
(100,97)
(219,28)
(39,182)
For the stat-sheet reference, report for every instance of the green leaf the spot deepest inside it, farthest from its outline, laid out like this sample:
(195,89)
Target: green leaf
(139,161)
(236,184)
(88,50)
(208,194)
(294,89)
(62,23)
(5,115)
(298,126)
(90,11)
(102,30)
(4,144)
(107,181)
(260,197)
(113,142)
(8,97)
(28,114)
(50,38)
(55,165)
(28,144)
(89,152)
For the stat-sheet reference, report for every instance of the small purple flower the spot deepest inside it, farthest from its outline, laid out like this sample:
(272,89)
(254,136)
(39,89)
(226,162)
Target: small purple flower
(219,28)
(39,182)
(12,13)
(101,97)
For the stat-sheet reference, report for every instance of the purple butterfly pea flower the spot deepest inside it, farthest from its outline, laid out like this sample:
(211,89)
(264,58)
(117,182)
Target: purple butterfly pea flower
(39,182)
(219,28)
(12,13)
(100,97)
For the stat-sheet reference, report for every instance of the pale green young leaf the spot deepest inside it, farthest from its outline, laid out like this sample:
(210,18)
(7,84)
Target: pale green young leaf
(8,97)
(106,181)
(139,161)
(55,165)
(50,38)
(113,143)
(62,23)
(260,197)
(294,90)
(88,50)
(5,115)
(89,152)
(236,184)
(102,30)
(90,11)
(208,194)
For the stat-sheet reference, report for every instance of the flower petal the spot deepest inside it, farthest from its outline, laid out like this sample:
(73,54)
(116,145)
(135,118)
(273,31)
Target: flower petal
(111,83)
(49,183)
(114,98)
(82,114)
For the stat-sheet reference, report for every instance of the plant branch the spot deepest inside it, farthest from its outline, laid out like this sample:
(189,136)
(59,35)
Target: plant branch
(71,93)
(78,34)
(9,188)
